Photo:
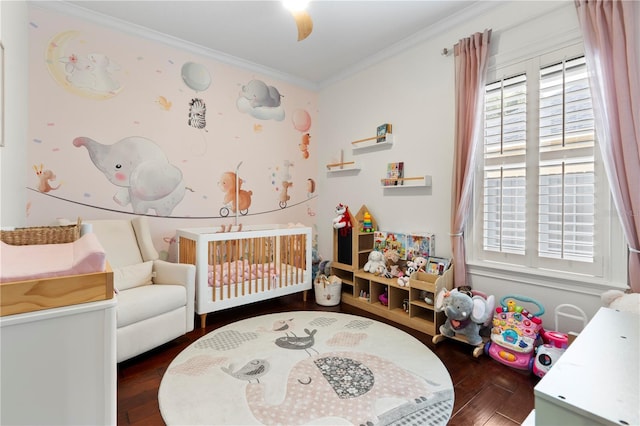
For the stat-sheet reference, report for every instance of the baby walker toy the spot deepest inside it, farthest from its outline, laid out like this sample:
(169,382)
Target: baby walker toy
(555,342)
(515,333)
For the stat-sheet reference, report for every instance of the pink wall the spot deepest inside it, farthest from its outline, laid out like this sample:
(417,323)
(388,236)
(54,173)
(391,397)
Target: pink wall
(88,81)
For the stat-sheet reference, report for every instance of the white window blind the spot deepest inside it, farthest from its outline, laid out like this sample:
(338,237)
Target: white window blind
(539,188)
(566,210)
(505,138)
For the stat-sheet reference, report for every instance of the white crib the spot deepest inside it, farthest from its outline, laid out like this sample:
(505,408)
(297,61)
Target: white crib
(241,267)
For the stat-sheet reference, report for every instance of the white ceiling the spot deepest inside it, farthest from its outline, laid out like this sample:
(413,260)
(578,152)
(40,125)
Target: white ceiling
(262,33)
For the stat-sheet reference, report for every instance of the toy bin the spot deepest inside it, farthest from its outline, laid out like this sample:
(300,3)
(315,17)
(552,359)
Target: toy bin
(515,333)
(328,290)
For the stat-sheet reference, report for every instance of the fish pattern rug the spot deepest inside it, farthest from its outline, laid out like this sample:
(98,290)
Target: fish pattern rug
(303,368)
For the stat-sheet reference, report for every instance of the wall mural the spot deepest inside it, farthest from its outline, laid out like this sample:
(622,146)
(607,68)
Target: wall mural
(161,131)
(140,168)
(87,74)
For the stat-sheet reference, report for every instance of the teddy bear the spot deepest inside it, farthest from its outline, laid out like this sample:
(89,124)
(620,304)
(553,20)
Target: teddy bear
(375,263)
(342,221)
(227,185)
(465,314)
(392,262)
(616,299)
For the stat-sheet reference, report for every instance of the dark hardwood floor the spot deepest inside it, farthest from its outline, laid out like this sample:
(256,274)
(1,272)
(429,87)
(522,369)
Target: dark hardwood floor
(486,392)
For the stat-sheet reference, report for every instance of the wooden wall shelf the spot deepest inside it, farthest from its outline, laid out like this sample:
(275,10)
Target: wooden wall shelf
(344,166)
(371,143)
(408,182)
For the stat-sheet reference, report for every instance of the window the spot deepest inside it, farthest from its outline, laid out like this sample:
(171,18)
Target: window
(540,179)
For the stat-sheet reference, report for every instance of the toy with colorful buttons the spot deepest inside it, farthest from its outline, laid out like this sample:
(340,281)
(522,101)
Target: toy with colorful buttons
(515,332)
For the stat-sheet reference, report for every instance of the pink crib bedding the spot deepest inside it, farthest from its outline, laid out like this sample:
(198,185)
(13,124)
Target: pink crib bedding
(30,262)
(239,271)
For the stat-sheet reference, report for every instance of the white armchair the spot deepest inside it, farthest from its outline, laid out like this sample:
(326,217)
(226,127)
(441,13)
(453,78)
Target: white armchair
(155,298)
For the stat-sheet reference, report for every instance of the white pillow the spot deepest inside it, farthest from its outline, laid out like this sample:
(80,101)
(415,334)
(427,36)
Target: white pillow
(132,276)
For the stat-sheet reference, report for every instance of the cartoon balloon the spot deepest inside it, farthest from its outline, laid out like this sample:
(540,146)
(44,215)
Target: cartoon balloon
(196,76)
(301,120)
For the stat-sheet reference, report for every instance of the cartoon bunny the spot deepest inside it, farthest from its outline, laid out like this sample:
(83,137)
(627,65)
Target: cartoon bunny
(45,176)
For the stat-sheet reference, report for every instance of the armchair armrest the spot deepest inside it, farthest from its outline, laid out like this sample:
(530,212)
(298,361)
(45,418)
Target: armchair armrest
(178,274)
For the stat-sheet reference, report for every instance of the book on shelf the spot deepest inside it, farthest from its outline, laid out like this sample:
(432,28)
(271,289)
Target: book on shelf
(437,265)
(382,131)
(395,173)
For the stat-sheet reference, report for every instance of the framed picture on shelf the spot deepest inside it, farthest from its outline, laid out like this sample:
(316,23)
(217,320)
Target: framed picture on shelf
(383,129)
(437,265)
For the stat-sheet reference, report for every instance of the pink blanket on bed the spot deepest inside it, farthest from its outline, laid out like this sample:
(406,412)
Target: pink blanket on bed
(238,271)
(21,263)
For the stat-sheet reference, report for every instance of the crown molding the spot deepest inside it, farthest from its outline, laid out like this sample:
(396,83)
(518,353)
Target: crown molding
(79,12)
(422,36)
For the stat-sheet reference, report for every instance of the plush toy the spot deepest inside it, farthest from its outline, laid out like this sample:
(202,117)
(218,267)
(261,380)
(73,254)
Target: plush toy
(412,267)
(392,262)
(375,262)
(464,314)
(616,299)
(421,263)
(342,221)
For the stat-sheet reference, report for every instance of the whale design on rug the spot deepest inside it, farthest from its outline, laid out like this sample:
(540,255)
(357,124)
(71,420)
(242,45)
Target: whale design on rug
(348,385)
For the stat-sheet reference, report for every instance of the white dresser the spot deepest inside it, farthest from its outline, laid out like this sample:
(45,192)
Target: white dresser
(58,366)
(597,380)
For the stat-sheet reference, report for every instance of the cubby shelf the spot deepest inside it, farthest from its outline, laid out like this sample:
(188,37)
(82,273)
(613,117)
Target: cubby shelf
(408,182)
(405,305)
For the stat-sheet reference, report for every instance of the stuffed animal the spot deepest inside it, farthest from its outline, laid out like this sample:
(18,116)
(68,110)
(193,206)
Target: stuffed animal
(375,262)
(464,314)
(392,262)
(616,299)
(412,267)
(421,263)
(342,221)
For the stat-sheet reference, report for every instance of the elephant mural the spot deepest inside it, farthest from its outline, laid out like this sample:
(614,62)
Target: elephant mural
(261,95)
(140,167)
(342,384)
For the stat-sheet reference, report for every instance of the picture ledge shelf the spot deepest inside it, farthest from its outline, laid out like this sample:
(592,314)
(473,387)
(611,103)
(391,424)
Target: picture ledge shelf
(344,166)
(408,182)
(372,142)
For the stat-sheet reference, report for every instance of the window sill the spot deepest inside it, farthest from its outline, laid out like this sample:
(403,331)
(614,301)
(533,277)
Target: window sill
(543,278)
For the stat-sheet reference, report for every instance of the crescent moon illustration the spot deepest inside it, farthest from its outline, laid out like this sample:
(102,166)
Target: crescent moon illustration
(55,52)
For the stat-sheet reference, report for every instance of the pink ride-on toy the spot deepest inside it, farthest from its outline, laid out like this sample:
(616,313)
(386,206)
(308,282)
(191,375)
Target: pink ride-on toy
(515,333)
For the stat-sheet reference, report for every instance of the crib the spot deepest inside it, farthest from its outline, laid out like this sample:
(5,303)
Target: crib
(240,267)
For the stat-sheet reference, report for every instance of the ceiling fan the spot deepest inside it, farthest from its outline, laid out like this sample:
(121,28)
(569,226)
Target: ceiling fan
(302,18)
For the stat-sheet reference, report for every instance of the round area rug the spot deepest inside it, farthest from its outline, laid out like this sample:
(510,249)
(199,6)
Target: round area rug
(308,367)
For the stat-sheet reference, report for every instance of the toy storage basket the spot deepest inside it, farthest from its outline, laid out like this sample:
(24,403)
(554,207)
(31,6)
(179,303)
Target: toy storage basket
(328,290)
(42,235)
(515,333)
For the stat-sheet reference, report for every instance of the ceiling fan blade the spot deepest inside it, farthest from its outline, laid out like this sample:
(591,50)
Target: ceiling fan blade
(304,23)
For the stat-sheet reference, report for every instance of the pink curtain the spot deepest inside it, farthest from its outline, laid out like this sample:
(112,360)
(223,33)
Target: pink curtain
(471,70)
(610,39)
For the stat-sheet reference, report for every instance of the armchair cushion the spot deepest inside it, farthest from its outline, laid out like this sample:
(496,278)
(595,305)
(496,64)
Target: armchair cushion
(135,275)
(141,303)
